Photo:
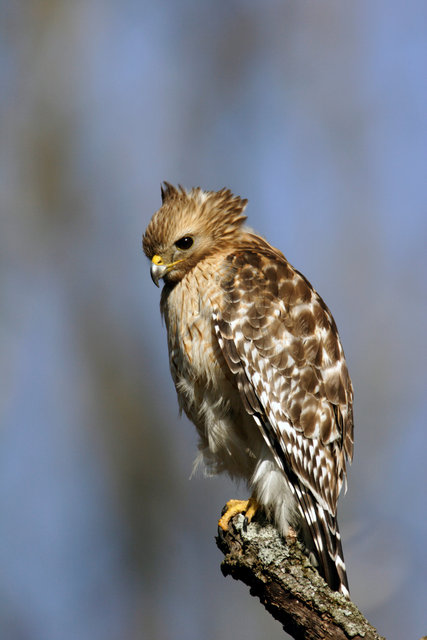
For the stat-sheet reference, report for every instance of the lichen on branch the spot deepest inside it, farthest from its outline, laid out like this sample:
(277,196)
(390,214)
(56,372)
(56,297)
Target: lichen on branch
(279,573)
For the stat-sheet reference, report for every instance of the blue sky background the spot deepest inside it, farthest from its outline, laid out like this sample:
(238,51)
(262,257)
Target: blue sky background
(316,112)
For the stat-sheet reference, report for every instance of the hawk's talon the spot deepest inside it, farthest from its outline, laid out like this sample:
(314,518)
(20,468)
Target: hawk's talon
(233,507)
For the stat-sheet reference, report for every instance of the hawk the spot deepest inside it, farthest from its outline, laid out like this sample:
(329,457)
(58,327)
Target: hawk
(258,367)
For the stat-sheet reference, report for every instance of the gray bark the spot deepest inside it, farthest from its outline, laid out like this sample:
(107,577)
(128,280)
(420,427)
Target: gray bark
(281,576)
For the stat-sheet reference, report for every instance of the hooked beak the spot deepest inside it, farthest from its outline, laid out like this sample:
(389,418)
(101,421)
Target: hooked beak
(158,269)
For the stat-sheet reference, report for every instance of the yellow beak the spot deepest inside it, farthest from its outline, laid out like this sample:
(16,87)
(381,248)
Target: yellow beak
(159,269)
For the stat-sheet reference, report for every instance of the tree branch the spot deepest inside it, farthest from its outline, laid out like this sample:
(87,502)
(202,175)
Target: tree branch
(281,576)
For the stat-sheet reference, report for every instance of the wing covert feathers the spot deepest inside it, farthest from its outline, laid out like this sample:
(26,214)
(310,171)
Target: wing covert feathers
(279,339)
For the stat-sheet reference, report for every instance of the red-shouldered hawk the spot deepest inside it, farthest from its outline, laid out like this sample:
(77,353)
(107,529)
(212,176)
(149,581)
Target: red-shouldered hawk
(257,364)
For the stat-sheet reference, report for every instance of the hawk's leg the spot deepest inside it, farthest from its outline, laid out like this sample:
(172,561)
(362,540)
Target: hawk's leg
(248,507)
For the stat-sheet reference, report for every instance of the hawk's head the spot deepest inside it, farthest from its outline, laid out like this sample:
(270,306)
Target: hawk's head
(188,227)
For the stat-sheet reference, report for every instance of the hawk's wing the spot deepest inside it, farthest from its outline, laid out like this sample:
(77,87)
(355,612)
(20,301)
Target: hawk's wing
(281,342)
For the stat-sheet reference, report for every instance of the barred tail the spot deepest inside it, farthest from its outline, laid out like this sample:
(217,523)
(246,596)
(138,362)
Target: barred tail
(326,539)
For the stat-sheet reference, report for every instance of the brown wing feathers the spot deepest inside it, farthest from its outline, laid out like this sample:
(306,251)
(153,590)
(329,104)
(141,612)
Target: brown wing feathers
(280,340)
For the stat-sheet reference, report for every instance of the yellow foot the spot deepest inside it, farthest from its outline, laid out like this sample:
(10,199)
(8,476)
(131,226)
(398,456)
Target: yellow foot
(248,507)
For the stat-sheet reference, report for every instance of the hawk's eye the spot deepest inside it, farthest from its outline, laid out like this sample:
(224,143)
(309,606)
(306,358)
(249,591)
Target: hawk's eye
(184,243)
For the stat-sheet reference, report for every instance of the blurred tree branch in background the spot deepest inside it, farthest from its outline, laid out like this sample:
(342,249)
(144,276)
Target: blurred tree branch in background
(281,576)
